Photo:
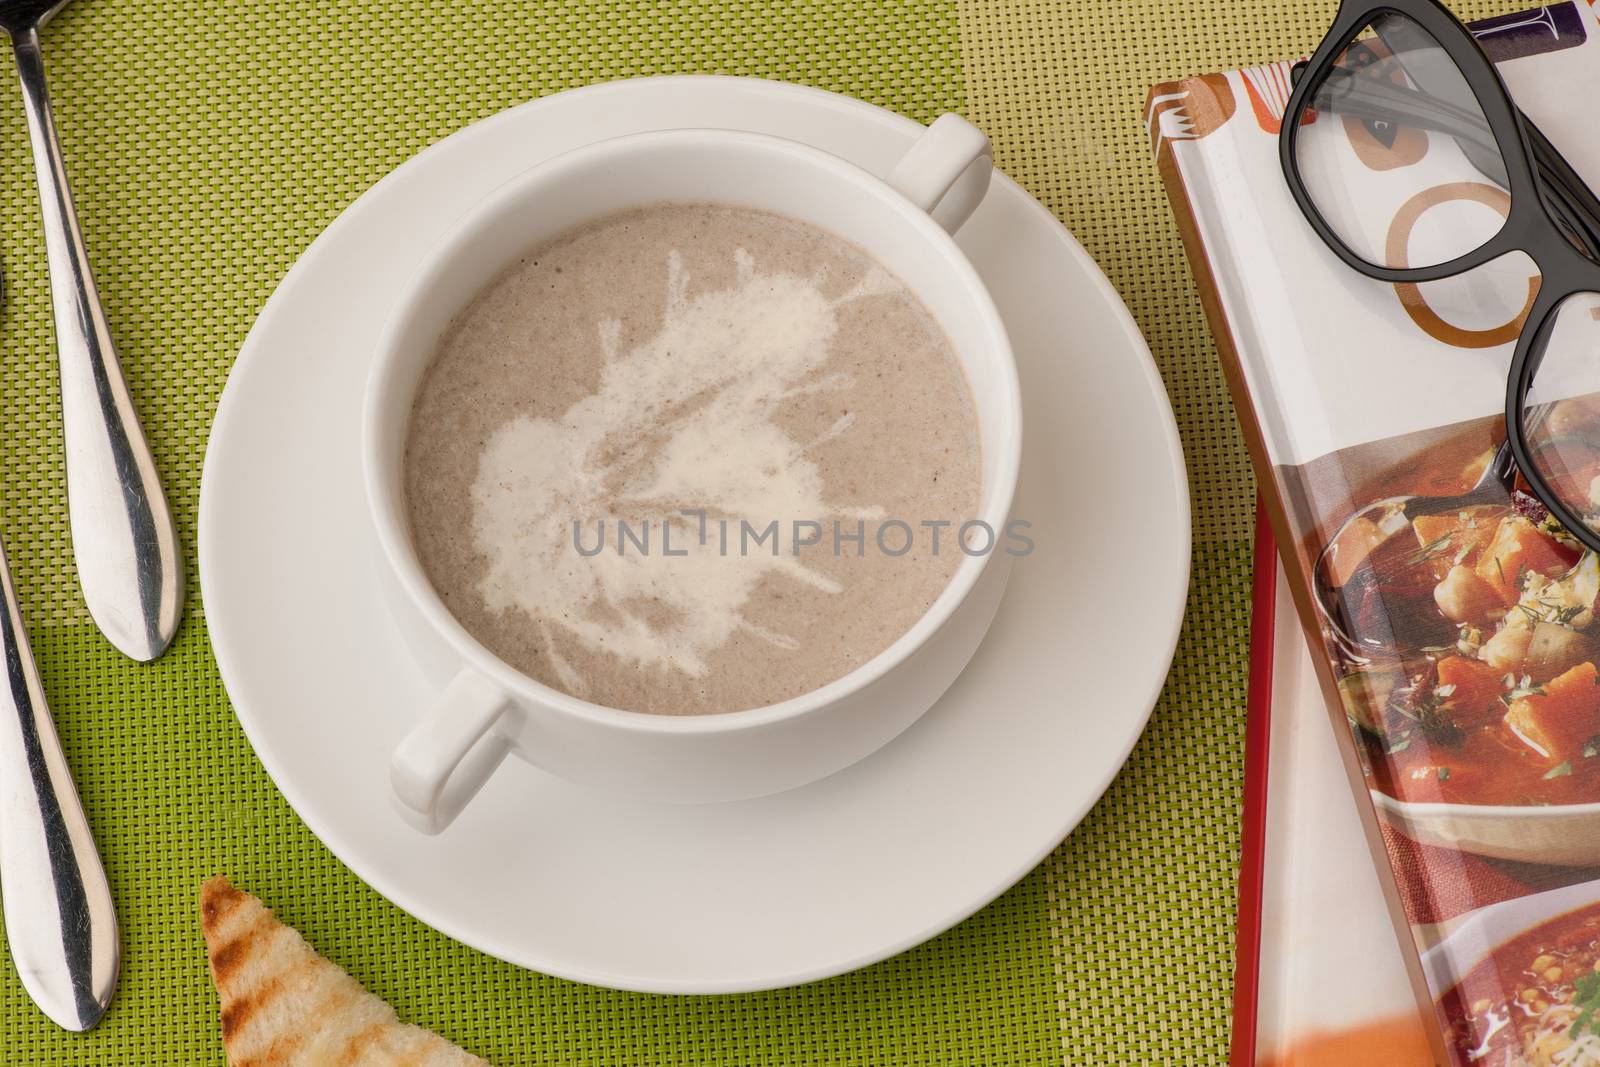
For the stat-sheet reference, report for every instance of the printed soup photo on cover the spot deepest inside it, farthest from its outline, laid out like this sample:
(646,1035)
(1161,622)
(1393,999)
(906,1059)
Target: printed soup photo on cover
(1461,621)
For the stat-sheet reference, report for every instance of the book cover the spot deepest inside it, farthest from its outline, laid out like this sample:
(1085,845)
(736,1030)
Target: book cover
(1455,648)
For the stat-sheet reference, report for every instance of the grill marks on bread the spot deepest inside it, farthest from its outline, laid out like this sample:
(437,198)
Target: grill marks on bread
(285,1006)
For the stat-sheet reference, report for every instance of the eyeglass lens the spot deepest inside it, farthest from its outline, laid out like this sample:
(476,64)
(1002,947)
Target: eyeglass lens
(1395,152)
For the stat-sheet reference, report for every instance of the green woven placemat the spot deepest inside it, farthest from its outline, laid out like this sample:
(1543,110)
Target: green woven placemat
(211,140)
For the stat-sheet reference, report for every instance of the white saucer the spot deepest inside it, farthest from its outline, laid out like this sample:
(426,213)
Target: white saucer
(719,898)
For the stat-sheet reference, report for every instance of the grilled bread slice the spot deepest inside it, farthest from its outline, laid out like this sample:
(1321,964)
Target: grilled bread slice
(285,1006)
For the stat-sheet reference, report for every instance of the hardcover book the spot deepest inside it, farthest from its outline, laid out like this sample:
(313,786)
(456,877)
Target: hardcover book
(1452,625)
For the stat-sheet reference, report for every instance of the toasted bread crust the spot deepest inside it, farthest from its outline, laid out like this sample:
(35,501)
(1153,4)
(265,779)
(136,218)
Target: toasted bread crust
(282,1005)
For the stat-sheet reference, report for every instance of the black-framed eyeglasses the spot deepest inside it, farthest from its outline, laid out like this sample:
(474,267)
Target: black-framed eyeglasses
(1415,81)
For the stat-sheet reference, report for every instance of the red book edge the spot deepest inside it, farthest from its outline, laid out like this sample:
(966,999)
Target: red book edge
(1253,836)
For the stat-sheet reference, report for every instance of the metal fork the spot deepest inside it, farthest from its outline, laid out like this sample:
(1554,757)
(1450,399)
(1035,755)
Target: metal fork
(123,537)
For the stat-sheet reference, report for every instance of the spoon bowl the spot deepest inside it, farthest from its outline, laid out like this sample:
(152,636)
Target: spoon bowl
(123,536)
(1389,515)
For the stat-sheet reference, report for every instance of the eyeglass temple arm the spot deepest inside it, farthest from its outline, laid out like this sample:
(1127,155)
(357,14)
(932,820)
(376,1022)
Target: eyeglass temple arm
(1570,218)
(1344,93)
(1554,169)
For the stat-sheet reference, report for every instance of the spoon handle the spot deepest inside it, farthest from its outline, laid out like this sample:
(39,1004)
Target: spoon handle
(60,921)
(123,536)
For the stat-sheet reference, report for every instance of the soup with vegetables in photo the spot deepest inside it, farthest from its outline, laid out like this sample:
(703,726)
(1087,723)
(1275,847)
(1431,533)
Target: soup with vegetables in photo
(1481,683)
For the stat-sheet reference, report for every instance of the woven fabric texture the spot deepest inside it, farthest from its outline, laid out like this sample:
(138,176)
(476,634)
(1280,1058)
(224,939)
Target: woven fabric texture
(211,140)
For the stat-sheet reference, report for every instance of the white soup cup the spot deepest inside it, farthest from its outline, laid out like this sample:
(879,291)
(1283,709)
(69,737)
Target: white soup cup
(485,708)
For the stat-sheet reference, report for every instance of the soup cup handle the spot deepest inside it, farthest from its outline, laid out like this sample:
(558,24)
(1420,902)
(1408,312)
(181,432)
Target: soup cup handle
(448,756)
(946,173)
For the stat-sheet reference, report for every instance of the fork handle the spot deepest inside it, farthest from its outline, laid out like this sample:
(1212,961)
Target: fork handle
(123,536)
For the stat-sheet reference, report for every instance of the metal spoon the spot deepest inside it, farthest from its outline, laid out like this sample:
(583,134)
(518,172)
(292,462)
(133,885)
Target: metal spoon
(60,920)
(1494,486)
(123,536)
